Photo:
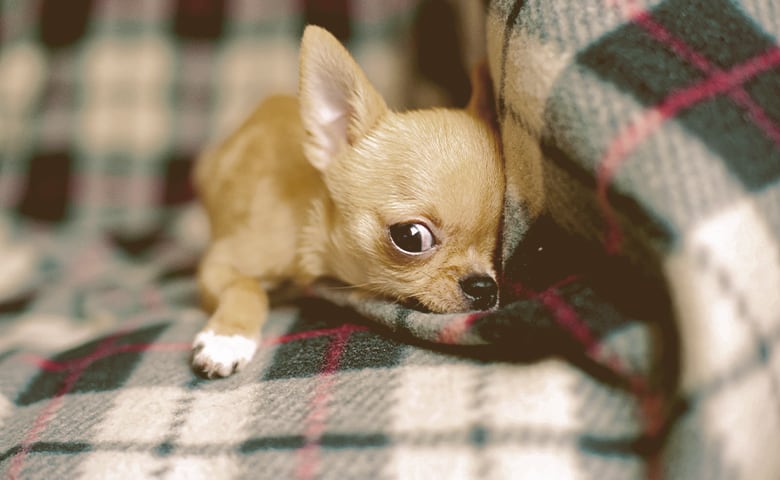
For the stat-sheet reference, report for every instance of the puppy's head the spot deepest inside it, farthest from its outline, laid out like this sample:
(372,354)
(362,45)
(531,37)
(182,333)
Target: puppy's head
(415,197)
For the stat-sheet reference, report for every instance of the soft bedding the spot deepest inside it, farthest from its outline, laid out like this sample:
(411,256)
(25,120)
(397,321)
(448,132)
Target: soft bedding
(638,331)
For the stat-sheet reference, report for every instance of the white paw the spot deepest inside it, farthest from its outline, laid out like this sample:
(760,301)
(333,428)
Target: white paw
(221,355)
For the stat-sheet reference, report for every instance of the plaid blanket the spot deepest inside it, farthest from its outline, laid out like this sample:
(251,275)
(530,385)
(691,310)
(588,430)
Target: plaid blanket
(640,255)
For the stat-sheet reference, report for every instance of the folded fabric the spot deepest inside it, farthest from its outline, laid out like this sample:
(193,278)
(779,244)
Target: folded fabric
(638,327)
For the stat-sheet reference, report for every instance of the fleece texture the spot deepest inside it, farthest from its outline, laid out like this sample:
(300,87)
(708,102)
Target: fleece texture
(638,332)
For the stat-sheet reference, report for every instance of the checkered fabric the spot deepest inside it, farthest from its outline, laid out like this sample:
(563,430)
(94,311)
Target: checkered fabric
(659,140)
(640,318)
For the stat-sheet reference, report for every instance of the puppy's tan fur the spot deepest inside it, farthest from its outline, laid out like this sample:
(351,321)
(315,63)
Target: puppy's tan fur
(308,188)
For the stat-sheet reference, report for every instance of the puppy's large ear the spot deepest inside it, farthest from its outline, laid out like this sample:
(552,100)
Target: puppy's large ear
(481,104)
(338,104)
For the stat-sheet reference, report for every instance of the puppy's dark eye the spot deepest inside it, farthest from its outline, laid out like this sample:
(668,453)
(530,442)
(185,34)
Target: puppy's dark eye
(412,238)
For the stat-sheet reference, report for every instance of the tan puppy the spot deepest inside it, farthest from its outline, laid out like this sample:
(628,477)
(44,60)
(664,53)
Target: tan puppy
(401,205)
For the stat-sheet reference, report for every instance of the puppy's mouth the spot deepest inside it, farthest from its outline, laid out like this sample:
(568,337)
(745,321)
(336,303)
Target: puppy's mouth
(414,303)
(475,293)
(464,306)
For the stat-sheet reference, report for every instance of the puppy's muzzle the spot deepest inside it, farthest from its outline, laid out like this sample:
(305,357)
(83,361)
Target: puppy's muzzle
(480,290)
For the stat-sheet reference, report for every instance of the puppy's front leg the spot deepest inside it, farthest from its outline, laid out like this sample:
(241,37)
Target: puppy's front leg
(240,307)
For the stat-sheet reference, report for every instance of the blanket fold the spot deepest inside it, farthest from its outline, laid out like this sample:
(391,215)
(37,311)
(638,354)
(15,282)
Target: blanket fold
(638,327)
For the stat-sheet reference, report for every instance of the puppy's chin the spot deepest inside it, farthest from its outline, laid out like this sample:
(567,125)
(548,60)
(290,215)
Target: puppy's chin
(436,297)
(437,305)
(415,304)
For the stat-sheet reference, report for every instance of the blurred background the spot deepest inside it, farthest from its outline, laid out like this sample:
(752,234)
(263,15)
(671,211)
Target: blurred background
(104,104)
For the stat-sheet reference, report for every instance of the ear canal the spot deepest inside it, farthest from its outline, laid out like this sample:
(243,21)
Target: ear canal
(338,104)
(481,104)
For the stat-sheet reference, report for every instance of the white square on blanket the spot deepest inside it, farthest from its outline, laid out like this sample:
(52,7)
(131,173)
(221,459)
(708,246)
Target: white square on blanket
(725,282)
(533,463)
(140,415)
(126,109)
(423,463)
(438,398)
(738,420)
(114,465)
(204,468)
(542,395)
(6,407)
(220,417)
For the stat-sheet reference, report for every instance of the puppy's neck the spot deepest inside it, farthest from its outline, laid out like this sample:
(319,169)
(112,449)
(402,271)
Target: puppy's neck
(315,243)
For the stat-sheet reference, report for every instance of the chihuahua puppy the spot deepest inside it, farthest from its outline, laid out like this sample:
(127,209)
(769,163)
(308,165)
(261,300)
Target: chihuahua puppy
(404,206)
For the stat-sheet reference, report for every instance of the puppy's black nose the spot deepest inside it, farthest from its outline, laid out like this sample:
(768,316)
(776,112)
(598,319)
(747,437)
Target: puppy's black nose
(482,291)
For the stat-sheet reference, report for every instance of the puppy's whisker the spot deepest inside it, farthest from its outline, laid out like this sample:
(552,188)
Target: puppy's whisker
(352,286)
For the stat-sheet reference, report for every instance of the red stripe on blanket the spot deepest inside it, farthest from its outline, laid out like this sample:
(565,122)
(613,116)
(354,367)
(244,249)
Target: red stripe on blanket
(315,421)
(453,331)
(644,19)
(568,318)
(651,404)
(50,365)
(50,410)
(313,334)
(314,424)
(637,131)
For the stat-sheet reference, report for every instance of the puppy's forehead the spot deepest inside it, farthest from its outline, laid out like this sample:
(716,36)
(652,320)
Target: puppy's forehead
(445,166)
(472,214)
(436,143)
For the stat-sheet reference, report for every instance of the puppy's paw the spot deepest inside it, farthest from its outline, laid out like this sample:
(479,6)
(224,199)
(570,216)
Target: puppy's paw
(221,355)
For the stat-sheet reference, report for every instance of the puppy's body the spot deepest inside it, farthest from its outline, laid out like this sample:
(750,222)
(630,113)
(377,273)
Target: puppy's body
(258,189)
(402,205)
